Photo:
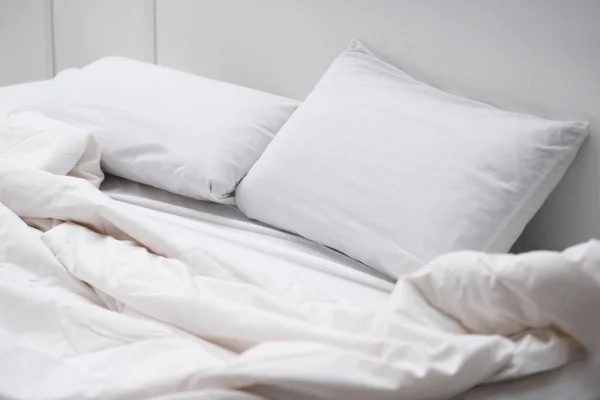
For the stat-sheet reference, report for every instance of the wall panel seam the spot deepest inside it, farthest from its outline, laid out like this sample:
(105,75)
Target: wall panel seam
(154,32)
(52,38)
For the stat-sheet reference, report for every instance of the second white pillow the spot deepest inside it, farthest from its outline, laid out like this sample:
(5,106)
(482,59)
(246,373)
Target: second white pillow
(394,172)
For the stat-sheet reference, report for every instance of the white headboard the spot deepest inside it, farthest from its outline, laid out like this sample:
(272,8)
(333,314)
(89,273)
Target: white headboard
(536,56)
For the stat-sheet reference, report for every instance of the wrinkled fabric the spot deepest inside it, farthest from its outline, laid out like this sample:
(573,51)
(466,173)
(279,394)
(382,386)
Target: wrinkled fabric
(97,302)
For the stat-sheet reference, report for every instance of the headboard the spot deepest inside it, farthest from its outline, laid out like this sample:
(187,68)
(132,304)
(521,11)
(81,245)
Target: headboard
(536,56)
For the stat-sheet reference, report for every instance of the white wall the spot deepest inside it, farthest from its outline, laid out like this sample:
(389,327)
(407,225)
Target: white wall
(86,30)
(25,41)
(41,37)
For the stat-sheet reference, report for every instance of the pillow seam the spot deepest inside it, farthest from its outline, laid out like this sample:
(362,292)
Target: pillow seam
(519,206)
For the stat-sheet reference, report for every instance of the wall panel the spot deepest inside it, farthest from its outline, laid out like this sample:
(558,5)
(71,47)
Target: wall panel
(25,41)
(86,30)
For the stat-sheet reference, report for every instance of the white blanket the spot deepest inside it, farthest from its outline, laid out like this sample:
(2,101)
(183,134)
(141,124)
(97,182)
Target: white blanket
(96,302)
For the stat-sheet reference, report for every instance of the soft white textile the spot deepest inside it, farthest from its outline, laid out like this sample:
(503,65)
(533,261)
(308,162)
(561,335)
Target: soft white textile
(270,257)
(30,94)
(394,172)
(170,129)
(578,380)
(108,306)
(273,255)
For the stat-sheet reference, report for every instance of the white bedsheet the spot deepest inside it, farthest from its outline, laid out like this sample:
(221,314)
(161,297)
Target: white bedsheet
(117,304)
(263,250)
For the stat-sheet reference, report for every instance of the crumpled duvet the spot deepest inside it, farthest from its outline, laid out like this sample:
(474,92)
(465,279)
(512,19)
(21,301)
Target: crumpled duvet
(97,302)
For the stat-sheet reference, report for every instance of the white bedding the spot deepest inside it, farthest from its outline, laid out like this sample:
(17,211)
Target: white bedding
(118,304)
(262,249)
(170,129)
(317,267)
(30,93)
(394,172)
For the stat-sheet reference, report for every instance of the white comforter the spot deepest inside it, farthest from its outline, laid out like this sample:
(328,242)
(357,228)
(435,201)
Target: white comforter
(96,302)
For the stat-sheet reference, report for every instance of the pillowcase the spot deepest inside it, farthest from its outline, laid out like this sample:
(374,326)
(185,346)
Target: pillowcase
(30,93)
(180,132)
(394,172)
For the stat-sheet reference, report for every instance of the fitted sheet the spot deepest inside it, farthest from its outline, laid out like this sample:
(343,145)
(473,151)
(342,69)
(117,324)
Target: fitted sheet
(269,251)
(279,254)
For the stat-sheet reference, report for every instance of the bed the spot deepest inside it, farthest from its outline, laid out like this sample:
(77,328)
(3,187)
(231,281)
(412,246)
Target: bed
(262,256)
(169,236)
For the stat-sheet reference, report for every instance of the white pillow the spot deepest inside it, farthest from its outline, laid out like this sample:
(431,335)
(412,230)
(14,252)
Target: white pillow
(176,131)
(393,172)
(30,93)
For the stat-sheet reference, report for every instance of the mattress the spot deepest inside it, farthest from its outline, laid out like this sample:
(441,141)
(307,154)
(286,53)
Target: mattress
(274,255)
